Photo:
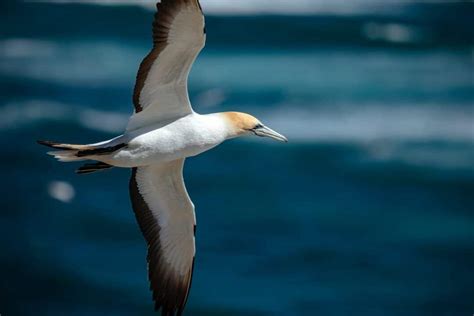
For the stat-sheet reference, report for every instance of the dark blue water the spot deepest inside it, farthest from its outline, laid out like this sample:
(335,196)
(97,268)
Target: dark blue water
(367,211)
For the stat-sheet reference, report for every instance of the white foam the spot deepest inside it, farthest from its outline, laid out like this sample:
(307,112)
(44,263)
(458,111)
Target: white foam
(20,114)
(392,32)
(23,48)
(87,63)
(440,157)
(441,137)
(61,191)
(372,123)
(110,122)
(211,98)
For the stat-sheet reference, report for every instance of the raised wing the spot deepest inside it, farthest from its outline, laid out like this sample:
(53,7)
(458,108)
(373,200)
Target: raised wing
(161,91)
(166,218)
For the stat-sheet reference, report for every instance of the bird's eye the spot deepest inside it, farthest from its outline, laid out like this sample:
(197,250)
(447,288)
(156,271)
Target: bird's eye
(258,126)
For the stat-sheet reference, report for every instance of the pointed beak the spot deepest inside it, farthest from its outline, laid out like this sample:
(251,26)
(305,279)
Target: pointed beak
(268,132)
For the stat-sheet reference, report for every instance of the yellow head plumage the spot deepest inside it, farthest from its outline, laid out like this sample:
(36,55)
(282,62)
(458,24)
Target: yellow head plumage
(242,123)
(245,124)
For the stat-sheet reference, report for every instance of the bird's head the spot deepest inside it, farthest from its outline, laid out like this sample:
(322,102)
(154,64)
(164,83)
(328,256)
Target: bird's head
(245,124)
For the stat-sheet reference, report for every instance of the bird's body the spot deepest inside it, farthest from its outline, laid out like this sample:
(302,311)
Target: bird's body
(163,131)
(164,142)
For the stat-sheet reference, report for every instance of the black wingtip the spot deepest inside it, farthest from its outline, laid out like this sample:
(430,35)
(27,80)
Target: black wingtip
(47,143)
(54,145)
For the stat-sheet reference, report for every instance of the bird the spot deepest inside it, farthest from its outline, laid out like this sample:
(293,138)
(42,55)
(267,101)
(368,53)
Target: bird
(161,134)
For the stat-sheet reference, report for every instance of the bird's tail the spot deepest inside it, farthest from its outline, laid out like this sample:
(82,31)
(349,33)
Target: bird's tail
(65,152)
(72,153)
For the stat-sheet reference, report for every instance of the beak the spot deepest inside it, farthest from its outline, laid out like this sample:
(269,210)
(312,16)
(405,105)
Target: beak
(268,132)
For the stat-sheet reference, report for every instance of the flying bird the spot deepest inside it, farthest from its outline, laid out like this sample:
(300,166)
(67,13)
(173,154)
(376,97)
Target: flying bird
(162,132)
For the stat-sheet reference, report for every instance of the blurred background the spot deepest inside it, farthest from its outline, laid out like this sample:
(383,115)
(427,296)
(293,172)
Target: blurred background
(369,210)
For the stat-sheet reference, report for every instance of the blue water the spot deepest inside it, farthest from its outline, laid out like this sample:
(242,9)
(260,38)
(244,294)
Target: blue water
(367,211)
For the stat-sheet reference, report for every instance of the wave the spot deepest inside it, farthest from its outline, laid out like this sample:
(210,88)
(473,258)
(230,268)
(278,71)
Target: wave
(371,123)
(18,115)
(418,135)
(314,72)
(351,124)
(276,24)
(231,7)
(442,137)
(73,63)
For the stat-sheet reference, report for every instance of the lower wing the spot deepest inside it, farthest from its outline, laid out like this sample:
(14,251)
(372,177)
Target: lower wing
(166,218)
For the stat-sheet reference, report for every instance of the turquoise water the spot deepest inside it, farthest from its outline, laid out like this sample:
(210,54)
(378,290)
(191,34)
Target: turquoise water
(367,211)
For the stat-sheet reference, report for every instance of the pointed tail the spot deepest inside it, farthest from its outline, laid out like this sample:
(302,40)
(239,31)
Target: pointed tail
(80,151)
(72,153)
(65,152)
(63,146)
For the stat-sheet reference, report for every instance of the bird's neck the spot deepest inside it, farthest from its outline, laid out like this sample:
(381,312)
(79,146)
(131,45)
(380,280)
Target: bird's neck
(224,124)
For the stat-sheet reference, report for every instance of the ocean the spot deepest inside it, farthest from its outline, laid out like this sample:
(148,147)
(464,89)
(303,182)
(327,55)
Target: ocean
(368,210)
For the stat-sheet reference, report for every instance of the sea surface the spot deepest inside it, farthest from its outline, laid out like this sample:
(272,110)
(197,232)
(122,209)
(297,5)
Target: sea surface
(368,210)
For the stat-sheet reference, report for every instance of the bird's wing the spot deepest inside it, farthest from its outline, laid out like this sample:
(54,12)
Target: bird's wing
(161,91)
(166,218)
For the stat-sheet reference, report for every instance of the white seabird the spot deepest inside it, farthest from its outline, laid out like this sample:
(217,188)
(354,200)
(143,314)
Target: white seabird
(164,131)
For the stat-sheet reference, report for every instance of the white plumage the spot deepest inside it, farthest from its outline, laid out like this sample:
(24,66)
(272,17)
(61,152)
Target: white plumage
(185,137)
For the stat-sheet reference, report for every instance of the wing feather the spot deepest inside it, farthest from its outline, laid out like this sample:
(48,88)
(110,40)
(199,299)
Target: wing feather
(166,218)
(161,91)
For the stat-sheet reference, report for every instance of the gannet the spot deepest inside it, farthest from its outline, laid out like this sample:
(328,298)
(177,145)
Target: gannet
(162,132)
